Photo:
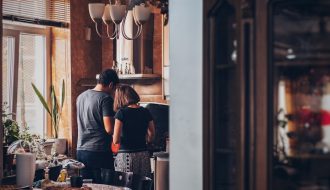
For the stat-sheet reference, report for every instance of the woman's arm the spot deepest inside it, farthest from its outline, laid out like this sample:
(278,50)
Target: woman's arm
(151,132)
(117,131)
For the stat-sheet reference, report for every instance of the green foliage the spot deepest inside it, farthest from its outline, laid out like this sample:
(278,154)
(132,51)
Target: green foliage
(10,127)
(53,109)
(11,131)
(26,136)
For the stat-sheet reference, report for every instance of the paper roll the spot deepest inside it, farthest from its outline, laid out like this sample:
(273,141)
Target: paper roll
(25,169)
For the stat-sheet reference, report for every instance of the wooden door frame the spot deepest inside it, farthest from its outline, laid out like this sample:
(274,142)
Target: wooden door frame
(261,82)
(208,75)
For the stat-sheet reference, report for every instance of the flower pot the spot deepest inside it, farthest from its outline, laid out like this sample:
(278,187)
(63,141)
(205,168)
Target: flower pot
(48,146)
(60,145)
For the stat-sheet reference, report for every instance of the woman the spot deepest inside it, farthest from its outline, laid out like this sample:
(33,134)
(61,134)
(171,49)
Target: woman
(134,128)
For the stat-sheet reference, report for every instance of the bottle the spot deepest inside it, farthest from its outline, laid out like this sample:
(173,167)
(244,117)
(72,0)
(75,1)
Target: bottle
(114,66)
(63,175)
(126,70)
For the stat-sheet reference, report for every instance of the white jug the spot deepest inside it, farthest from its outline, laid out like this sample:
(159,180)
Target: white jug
(25,169)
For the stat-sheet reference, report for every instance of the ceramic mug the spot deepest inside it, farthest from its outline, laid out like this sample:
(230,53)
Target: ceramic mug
(76,181)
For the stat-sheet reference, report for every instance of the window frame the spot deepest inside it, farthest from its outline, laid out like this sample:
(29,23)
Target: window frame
(15,30)
(10,75)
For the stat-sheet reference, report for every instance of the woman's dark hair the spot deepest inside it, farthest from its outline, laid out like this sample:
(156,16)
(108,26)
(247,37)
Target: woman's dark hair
(108,76)
(125,96)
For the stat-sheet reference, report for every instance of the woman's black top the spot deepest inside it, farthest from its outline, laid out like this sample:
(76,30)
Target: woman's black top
(134,130)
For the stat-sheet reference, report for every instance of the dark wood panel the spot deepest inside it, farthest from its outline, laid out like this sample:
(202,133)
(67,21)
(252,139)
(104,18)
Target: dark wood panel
(157,44)
(261,173)
(1,127)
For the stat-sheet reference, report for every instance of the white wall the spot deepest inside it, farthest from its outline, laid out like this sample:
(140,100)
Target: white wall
(186,94)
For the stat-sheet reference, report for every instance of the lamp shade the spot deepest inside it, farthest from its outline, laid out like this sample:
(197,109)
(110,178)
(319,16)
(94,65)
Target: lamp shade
(141,13)
(96,10)
(117,13)
(106,14)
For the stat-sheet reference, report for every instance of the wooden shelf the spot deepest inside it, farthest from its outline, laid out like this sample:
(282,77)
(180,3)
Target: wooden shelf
(139,76)
(307,156)
(302,63)
(131,78)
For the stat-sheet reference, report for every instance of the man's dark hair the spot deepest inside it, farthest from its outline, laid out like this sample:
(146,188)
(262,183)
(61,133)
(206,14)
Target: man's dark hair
(108,76)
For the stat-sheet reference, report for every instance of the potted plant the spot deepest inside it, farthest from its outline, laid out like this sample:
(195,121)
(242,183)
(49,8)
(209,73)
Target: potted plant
(54,110)
(10,127)
(11,134)
(11,131)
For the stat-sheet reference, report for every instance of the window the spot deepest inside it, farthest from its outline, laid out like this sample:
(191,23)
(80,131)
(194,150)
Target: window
(7,70)
(54,10)
(25,57)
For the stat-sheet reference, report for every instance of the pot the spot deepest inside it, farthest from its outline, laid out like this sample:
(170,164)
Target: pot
(60,145)
(48,146)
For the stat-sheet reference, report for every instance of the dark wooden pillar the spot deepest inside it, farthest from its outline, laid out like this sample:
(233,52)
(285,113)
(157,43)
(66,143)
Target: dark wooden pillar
(261,82)
(1,127)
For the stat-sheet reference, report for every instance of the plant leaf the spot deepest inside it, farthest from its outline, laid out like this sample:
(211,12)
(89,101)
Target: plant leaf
(54,109)
(63,94)
(53,98)
(58,118)
(41,98)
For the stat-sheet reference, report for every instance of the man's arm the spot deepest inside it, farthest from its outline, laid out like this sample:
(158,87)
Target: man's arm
(108,124)
(108,113)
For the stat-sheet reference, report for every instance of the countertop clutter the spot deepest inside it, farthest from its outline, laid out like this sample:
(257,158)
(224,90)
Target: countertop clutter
(88,186)
(85,187)
(66,186)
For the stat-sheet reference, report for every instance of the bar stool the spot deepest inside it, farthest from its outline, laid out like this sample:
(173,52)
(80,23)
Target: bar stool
(110,177)
(126,179)
(142,183)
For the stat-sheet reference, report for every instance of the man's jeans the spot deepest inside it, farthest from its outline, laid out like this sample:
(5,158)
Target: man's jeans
(93,162)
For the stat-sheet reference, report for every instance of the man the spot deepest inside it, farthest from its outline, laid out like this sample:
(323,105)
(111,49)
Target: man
(95,125)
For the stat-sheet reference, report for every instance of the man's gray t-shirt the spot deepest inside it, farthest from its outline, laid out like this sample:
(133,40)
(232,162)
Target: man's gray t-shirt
(92,106)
